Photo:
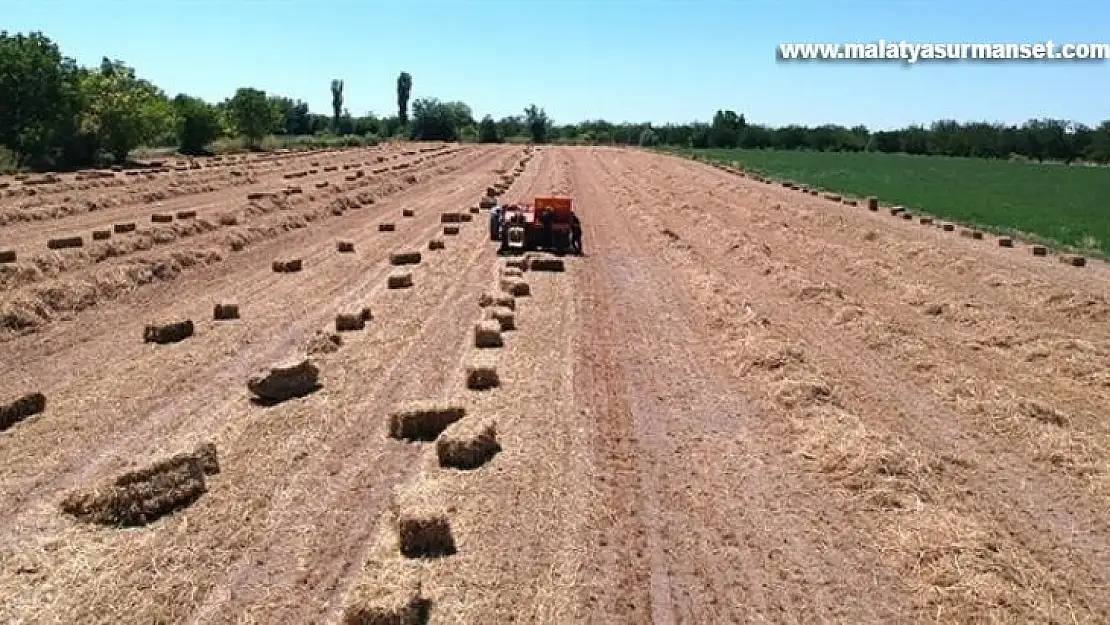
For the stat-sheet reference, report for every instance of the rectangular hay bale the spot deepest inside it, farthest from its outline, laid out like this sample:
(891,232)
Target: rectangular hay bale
(468,444)
(349,322)
(161,218)
(481,373)
(7,256)
(423,420)
(125,227)
(65,242)
(450,230)
(546,263)
(287,266)
(386,227)
(225,312)
(405,258)
(18,409)
(172,332)
(188,214)
(399,280)
(423,527)
(139,497)
(487,335)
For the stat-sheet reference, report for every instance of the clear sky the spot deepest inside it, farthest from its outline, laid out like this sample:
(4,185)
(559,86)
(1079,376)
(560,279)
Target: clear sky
(646,60)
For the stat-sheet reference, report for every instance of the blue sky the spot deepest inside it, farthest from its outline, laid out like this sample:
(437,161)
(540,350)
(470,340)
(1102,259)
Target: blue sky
(649,60)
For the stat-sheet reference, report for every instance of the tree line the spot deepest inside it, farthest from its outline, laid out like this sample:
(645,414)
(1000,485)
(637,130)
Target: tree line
(55,114)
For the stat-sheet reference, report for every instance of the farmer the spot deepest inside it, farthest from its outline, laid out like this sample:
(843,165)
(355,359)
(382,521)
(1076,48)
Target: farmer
(495,223)
(548,219)
(576,233)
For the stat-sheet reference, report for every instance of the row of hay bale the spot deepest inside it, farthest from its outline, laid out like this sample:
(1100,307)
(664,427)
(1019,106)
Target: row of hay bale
(872,204)
(462,441)
(76,241)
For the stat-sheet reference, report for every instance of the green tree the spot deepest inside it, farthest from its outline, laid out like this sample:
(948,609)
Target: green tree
(39,97)
(539,125)
(252,114)
(433,120)
(336,102)
(198,124)
(487,131)
(124,111)
(404,90)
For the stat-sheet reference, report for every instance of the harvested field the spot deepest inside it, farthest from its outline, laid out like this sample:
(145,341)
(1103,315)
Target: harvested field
(746,404)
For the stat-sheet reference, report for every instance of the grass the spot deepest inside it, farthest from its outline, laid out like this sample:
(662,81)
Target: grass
(1065,207)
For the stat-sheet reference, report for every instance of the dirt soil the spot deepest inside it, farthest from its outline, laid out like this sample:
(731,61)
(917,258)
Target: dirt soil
(743,404)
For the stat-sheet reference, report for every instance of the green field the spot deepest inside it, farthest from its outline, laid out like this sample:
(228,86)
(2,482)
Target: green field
(1059,205)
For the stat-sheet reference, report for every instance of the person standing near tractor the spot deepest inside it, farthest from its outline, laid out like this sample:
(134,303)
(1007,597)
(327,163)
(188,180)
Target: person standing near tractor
(548,219)
(576,233)
(495,222)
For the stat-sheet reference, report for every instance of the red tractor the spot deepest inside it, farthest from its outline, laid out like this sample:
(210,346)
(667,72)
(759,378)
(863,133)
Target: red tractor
(549,223)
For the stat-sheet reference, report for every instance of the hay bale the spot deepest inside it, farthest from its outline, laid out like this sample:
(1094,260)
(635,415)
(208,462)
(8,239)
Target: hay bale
(408,212)
(286,380)
(487,201)
(487,334)
(894,210)
(386,227)
(405,258)
(16,410)
(385,600)
(349,322)
(422,420)
(519,263)
(173,332)
(925,221)
(399,280)
(468,444)
(948,227)
(851,201)
(137,498)
(975,234)
(504,316)
(190,214)
(65,242)
(436,244)
(512,272)
(450,230)
(324,343)
(907,216)
(225,312)
(466,217)
(287,266)
(516,287)
(872,203)
(423,528)
(101,235)
(473,210)
(322,184)
(7,256)
(124,227)
(1005,242)
(504,300)
(835,197)
(1040,250)
(1073,260)
(161,218)
(546,263)
(481,373)
(365,313)
(345,247)
(450,217)
(484,300)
